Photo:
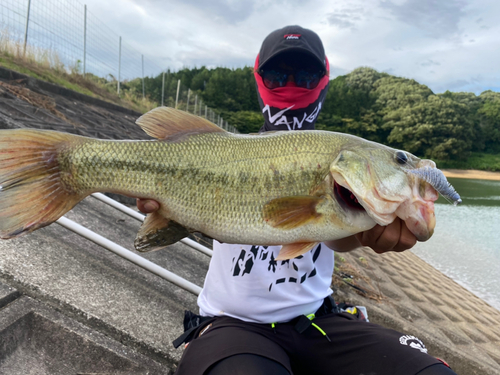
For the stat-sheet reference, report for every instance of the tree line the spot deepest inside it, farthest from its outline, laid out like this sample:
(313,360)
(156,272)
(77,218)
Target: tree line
(396,111)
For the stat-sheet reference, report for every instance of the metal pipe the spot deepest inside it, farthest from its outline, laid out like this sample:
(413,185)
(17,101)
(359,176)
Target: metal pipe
(26,29)
(85,40)
(177,96)
(119,64)
(162,88)
(130,256)
(121,207)
(195,245)
(143,93)
(139,216)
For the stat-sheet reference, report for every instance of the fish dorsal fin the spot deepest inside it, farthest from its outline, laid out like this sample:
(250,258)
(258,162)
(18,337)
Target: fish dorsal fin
(166,122)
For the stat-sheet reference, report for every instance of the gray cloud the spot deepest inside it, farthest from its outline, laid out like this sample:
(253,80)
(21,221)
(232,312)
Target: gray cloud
(232,12)
(430,63)
(345,18)
(386,37)
(437,18)
(457,85)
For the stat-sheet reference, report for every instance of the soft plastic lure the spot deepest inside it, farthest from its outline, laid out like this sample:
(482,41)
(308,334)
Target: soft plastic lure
(439,182)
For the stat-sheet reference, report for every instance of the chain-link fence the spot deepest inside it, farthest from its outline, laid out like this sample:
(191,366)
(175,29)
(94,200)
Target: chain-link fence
(80,39)
(66,33)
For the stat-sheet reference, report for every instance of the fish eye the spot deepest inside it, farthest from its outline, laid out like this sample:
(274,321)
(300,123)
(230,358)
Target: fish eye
(401,157)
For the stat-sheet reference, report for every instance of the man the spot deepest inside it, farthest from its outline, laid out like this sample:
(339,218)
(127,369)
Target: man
(262,316)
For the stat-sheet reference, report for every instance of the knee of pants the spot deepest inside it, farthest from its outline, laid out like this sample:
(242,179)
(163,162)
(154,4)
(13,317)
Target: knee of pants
(247,364)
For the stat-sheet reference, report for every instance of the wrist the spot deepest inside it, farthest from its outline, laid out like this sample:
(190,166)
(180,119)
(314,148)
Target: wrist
(344,244)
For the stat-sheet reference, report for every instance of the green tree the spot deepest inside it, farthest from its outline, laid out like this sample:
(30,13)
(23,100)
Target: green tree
(437,127)
(245,121)
(349,105)
(489,118)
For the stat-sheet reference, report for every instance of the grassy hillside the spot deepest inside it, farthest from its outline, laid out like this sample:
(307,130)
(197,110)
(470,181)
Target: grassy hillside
(45,65)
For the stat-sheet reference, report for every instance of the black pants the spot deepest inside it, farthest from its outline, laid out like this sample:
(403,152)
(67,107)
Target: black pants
(352,347)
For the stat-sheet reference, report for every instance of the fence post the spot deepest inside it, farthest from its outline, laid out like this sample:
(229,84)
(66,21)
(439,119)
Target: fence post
(119,64)
(195,104)
(163,88)
(26,29)
(143,95)
(206,109)
(84,40)
(187,104)
(177,96)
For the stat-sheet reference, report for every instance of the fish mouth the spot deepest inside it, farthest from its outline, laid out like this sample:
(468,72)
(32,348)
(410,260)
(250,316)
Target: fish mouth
(415,211)
(346,197)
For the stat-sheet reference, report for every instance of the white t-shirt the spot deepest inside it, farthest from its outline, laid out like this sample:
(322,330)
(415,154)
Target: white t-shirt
(246,282)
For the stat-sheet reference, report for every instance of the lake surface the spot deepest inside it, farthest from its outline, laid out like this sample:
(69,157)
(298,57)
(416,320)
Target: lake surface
(466,243)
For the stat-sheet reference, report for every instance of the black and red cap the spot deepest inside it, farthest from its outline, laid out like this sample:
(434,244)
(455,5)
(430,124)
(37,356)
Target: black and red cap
(291,107)
(292,39)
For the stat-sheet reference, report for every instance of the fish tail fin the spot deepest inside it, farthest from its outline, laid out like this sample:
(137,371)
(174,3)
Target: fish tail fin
(31,192)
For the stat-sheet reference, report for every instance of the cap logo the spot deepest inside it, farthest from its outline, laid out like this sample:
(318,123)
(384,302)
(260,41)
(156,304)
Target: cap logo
(292,36)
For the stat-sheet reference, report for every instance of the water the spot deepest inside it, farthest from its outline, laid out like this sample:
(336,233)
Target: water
(466,243)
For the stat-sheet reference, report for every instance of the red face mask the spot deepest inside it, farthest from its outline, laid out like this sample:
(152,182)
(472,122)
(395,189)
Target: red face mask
(290,107)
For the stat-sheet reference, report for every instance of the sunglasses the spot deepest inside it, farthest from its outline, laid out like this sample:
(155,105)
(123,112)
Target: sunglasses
(278,77)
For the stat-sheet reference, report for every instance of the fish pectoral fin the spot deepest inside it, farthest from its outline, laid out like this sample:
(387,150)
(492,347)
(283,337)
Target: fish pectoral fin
(291,212)
(166,122)
(293,250)
(157,232)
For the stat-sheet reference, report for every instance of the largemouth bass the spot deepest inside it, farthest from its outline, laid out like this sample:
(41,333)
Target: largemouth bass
(283,188)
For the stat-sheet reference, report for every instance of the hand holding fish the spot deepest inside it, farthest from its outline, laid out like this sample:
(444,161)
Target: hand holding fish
(394,237)
(147,206)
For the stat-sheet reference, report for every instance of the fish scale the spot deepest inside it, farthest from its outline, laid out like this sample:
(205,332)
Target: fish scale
(210,180)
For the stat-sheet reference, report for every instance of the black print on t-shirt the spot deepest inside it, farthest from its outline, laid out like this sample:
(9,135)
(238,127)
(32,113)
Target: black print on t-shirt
(244,263)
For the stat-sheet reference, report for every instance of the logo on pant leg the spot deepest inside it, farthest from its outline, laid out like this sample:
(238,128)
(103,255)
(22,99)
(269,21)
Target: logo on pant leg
(413,342)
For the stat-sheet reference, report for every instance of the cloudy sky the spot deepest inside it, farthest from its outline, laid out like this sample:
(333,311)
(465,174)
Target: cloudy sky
(446,44)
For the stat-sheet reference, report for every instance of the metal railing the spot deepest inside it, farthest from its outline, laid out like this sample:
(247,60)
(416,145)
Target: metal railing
(129,255)
(137,215)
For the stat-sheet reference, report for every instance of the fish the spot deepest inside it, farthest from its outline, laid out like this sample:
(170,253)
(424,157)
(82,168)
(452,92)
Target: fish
(294,189)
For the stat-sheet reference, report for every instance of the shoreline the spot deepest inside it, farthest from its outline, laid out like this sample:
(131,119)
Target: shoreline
(472,174)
